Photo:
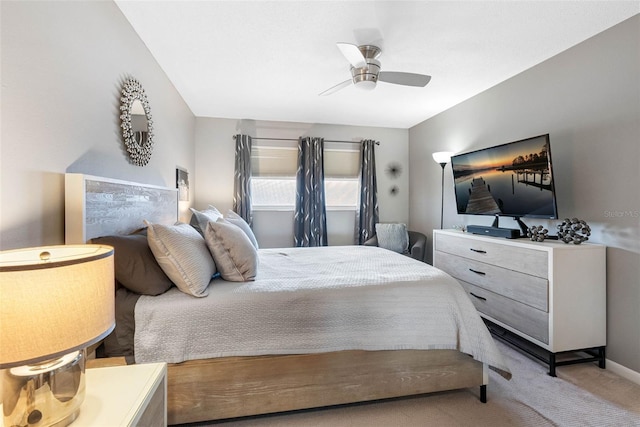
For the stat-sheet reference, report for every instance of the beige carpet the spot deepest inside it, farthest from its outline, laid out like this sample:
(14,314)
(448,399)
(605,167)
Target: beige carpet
(581,395)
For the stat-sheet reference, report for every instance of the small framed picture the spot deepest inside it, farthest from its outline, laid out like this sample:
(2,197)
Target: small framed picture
(182,184)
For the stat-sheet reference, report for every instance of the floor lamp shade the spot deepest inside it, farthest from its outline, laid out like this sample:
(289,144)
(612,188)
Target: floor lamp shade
(442,157)
(54,302)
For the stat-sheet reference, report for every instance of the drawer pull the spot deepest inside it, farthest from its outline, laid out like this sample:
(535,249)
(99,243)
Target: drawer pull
(480,251)
(479,297)
(482,273)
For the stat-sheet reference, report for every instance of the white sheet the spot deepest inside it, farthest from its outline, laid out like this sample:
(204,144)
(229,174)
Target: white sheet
(309,300)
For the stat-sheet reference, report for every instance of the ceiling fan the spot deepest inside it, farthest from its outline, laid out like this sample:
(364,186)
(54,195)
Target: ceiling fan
(365,70)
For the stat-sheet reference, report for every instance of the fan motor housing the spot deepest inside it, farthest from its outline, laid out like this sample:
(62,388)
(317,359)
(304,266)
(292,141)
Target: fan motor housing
(366,74)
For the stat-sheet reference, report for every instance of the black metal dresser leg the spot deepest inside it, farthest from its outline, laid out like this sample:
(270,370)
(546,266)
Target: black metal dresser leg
(602,363)
(552,364)
(483,393)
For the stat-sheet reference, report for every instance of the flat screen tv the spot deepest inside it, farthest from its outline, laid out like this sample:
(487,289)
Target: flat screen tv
(513,179)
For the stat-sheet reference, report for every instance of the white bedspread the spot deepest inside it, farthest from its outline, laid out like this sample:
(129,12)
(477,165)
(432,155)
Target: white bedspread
(309,300)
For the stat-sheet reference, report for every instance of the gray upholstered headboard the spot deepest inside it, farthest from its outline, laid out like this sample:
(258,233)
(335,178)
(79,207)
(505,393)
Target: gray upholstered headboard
(96,206)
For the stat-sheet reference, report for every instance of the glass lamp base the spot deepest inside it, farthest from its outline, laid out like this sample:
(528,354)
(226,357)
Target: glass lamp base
(47,394)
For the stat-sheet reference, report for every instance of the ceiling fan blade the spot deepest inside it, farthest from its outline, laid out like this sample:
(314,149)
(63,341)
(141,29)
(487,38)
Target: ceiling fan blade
(353,54)
(406,79)
(335,88)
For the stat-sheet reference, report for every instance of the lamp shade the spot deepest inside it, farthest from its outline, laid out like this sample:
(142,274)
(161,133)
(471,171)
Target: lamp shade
(54,300)
(442,156)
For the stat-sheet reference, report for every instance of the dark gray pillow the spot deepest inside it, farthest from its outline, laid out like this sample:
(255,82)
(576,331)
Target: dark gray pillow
(135,266)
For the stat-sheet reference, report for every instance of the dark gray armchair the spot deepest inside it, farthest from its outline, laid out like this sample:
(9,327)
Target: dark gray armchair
(417,245)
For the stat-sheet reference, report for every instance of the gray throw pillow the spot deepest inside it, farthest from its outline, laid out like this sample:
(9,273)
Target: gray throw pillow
(183,256)
(394,237)
(199,219)
(135,266)
(235,256)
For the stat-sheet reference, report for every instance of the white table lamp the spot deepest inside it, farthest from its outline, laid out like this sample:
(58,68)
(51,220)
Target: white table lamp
(54,302)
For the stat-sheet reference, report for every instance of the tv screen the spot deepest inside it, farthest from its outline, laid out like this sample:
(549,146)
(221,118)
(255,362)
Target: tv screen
(514,179)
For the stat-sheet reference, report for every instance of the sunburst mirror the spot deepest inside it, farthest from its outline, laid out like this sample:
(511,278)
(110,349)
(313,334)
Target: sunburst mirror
(136,122)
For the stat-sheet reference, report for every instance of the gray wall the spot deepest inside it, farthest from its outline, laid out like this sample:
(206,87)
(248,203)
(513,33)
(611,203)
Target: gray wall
(63,64)
(588,99)
(215,164)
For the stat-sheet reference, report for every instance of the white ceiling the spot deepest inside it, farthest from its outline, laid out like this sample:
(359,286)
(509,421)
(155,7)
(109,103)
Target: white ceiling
(269,60)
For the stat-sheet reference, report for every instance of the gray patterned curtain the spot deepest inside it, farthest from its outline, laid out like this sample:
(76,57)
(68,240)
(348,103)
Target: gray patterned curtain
(310,219)
(367,214)
(242,178)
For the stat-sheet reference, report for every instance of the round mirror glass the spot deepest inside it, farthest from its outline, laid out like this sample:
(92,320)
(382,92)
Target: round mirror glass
(139,122)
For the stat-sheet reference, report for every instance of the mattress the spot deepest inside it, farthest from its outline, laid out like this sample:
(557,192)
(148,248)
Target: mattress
(311,300)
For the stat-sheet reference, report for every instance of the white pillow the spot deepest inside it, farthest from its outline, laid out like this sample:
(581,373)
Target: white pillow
(199,219)
(394,237)
(236,219)
(183,256)
(235,256)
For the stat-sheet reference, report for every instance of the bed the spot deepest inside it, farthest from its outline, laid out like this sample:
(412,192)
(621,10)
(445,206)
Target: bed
(317,326)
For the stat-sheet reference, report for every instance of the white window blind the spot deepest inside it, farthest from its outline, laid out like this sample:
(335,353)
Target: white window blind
(274,166)
(275,161)
(341,162)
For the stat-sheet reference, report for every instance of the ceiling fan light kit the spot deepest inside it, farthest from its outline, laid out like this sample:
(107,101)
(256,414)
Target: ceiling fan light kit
(365,70)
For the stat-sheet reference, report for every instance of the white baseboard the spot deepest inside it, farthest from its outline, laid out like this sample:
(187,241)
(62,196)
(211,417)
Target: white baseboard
(623,371)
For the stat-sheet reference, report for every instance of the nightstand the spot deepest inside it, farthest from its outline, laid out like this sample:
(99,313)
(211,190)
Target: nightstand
(125,396)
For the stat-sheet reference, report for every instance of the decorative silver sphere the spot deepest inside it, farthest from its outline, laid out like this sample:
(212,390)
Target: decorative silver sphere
(537,233)
(574,231)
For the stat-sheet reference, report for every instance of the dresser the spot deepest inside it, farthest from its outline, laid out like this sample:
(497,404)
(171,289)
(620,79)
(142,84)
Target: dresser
(549,294)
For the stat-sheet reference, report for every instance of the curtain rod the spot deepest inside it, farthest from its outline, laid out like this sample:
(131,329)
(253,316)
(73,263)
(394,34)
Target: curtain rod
(292,139)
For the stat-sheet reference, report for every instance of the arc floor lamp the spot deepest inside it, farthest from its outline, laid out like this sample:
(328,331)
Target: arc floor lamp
(442,157)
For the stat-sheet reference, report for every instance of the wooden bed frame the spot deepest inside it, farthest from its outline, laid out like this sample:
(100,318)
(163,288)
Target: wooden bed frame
(230,387)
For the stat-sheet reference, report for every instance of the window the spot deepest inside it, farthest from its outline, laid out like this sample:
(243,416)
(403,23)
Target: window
(274,165)
(341,175)
(273,181)
(273,192)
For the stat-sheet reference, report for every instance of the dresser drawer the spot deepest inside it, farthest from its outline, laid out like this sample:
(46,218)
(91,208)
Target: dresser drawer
(525,260)
(527,289)
(522,317)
